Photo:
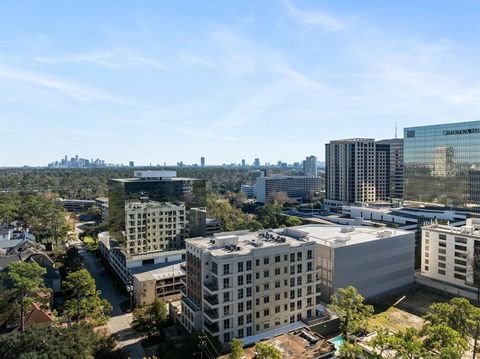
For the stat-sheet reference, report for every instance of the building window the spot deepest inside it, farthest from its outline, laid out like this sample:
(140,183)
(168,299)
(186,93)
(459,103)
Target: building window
(266,299)
(266,312)
(240,307)
(442,258)
(460,276)
(277,259)
(442,244)
(460,240)
(249,278)
(240,294)
(460,248)
(266,260)
(249,318)
(226,296)
(226,324)
(226,282)
(240,280)
(226,269)
(309,254)
(240,333)
(442,251)
(441,272)
(240,267)
(249,265)
(292,257)
(460,269)
(442,237)
(441,265)
(277,271)
(266,274)
(226,337)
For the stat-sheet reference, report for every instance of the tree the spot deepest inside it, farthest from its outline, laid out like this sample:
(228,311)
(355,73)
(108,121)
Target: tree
(408,344)
(350,350)
(382,341)
(266,351)
(22,283)
(348,304)
(84,299)
(141,321)
(444,340)
(78,341)
(150,318)
(237,349)
(457,314)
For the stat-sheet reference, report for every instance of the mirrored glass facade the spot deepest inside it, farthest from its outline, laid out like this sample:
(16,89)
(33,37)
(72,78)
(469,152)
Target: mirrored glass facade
(442,165)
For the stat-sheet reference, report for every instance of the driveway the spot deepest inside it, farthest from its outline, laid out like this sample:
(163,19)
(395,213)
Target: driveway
(119,323)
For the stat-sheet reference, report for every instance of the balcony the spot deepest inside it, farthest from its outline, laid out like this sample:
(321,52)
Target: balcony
(211,328)
(211,287)
(183,280)
(211,300)
(211,314)
(183,290)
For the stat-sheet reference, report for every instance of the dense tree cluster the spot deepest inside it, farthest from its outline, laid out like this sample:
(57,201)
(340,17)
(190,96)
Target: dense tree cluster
(444,334)
(150,319)
(51,342)
(92,183)
(40,213)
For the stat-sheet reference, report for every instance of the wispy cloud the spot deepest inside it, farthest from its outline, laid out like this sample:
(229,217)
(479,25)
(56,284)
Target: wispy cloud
(117,59)
(314,18)
(197,60)
(65,87)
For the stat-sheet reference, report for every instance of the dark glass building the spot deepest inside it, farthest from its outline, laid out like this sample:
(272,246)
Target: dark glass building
(159,186)
(442,165)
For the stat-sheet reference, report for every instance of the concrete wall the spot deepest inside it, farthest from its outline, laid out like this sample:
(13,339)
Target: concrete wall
(376,268)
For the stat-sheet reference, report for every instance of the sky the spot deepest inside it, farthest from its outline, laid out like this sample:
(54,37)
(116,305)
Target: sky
(166,81)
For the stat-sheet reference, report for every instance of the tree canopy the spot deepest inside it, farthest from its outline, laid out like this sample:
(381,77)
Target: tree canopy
(349,305)
(84,300)
(21,284)
(267,351)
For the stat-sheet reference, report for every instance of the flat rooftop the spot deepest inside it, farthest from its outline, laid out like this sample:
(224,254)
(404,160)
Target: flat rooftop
(243,242)
(154,179)
(158,271)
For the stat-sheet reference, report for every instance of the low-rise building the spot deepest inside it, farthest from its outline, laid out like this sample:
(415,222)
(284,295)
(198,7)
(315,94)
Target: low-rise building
(199,225)
(102,203)
(164,282)
(451,258)
(248,190)
(300,188)
(76,205)
(122,264)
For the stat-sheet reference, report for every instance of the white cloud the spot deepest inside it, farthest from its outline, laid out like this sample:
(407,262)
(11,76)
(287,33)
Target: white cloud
(314,18)
(117,59)
(59,85)
(197,60)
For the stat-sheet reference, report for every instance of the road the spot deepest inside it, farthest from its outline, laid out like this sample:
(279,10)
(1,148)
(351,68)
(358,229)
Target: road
(119,323)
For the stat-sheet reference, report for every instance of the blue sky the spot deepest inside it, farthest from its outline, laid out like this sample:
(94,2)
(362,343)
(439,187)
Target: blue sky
(164,81)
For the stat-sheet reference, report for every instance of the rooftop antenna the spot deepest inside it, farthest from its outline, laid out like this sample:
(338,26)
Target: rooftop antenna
(395,129)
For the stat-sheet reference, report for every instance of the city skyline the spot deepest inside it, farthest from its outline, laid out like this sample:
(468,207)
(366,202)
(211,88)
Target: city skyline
(162,82)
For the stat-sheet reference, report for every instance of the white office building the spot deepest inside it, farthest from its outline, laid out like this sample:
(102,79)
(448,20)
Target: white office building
(450,257)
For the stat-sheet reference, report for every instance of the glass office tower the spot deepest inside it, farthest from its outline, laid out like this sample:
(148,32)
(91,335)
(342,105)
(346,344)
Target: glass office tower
(442,165)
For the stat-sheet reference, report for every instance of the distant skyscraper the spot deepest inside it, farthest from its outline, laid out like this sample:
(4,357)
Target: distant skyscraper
(394,166)
(202,161)
(243,163)
(131,164)
(256,163)
(310,166)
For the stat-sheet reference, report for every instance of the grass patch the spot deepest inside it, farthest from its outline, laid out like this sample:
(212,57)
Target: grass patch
(395,320)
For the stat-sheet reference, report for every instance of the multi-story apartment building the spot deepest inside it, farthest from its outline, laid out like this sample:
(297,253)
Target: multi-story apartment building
(361,170)
(451,258)
(157,186)
(242,284)
(154,226)
(301,188)
(247,283)
(310,166)
(442,163)
(350,171)
(199,225)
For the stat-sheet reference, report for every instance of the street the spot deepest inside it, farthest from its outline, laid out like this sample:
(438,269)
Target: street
(119,323)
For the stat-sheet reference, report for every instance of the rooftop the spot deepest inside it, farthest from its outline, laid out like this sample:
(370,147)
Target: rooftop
(243,242)
(472,228)
(159,271)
